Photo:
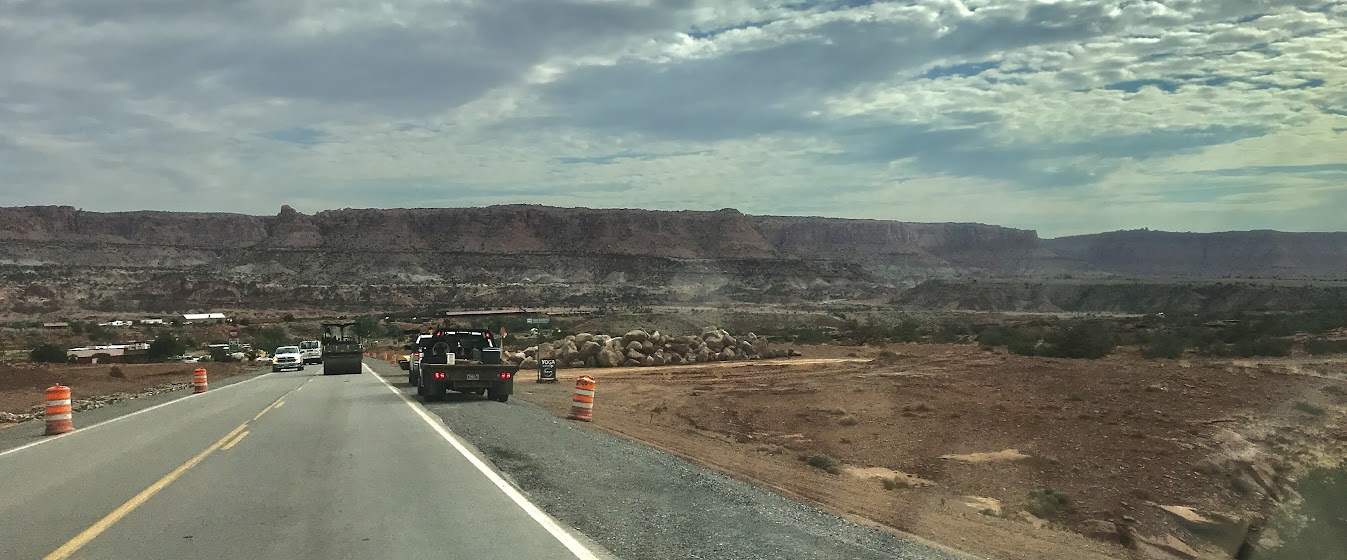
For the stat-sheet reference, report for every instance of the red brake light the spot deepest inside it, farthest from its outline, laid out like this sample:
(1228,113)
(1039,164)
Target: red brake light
(439,375)
(506,375)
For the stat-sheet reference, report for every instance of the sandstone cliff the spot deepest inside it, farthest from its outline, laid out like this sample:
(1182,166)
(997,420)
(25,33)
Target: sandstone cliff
(540,255)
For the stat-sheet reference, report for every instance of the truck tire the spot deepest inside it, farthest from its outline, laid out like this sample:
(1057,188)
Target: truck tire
(498,397)
(420,390)
(413,379)
(479,392)
(435,394)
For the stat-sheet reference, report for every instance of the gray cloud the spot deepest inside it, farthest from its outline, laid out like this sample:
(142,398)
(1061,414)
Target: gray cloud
(168,104)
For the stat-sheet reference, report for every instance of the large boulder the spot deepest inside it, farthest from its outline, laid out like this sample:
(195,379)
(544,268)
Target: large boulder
(659,358)
(602,339)
(730,341)
(703,355)
(567,351)
(582,338)
(577,363)
(637,335)
(675,360)
(547,351)
(634,346)
(715,343)
(531,352)
(631,363)
(725,355)
(609,358)
(648,347)
(635,355)
(746,348)
(648,361)
(528,363)
(592,361)
(589,349)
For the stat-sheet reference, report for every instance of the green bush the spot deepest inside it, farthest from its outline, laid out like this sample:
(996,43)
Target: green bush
(48,354)
(1088,341)
(1164,345)
(824,463)
(270,338)
(164,347)
(221,355)
(1047,503)
(1320,347)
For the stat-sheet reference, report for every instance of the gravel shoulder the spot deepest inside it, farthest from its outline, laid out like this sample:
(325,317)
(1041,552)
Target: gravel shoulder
(642,503)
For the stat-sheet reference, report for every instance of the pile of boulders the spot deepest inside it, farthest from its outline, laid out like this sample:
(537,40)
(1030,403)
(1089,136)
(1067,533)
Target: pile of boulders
(641,348)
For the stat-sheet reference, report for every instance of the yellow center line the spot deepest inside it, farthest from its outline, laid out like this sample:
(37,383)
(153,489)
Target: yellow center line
(229,440)
(235,441)
(279,404)
(107,521)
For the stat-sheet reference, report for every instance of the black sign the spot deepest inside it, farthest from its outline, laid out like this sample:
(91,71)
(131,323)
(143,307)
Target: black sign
(547,371)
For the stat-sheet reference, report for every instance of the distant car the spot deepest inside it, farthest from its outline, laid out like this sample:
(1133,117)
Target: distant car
(312,351)
(287,357)
(405,361)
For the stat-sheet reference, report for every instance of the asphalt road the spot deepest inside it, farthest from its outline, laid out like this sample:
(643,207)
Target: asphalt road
(285,465)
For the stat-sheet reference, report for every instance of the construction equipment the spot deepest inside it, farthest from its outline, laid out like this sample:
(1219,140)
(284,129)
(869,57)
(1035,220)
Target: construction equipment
(342,351)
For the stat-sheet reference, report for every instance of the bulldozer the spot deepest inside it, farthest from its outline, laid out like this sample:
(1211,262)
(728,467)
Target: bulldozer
(342,351)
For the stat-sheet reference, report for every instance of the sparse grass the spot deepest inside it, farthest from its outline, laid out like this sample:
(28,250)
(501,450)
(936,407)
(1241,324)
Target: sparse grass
(117,372)
(1335,390)
(1046,503)
(824,463)
(1309,409)
(848,420)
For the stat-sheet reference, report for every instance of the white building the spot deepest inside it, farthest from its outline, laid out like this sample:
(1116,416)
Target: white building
(190,317)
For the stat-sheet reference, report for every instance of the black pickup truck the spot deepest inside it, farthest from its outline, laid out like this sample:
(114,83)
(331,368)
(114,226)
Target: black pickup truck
(465,361)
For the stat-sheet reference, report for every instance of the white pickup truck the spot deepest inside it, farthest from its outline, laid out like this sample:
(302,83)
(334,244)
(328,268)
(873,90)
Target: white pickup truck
(312,350)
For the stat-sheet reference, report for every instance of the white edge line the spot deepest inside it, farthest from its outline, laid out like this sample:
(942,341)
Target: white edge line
(551,525)
(49,439)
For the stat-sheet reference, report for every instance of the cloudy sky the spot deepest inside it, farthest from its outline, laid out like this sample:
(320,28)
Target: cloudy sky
(1060,116)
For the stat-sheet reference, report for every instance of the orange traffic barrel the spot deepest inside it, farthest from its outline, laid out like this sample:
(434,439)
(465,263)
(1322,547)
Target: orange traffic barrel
(582,402)
(58,410)
(199,380)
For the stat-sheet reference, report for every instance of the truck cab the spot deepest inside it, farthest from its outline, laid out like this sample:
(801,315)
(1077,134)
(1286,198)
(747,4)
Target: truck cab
(465,361)
(312,350)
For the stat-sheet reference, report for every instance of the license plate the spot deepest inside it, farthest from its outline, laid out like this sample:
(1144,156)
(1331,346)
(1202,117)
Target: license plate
(473,376)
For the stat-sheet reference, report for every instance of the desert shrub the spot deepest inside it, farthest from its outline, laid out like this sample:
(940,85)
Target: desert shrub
(1320,347)
(164,347)
(221,355)
(1164,345)
(1249,348)
(1085,341)
(1309,409)
(117,372)
(48,354)
(824,463)
(895,483)
(1046,503)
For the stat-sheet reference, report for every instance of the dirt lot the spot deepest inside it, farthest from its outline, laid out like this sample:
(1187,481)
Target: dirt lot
(964,436)
(22,387)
